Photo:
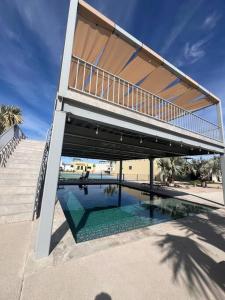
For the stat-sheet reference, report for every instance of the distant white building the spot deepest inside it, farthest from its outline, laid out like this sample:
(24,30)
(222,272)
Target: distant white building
(103,166)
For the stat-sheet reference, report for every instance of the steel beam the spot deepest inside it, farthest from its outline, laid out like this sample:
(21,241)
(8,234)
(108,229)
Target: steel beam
(151,172)
(222,163)
(50,186)
(68,48)
(220,119)
(137,128)
(121,171)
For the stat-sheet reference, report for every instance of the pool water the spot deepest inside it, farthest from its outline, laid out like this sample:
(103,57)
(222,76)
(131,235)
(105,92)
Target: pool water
(94,211)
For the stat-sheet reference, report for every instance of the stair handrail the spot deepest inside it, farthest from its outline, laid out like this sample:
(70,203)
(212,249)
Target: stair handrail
(9,139)
(41,177)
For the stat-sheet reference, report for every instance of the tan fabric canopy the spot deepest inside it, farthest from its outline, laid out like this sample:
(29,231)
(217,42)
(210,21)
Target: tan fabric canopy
(138,68)
(159,79)
(174,91)
(116,54)
(98,41)
(89,40)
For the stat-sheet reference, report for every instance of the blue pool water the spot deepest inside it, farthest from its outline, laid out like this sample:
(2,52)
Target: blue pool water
(95,211)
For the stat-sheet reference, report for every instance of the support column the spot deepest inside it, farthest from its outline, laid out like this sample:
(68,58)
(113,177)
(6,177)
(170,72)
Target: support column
(151,173)
(50,186)
(222,164)
(220,120)
(121,170)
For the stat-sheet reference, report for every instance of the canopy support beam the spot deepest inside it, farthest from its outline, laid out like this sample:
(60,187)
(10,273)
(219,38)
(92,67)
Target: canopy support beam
(151,174)
(50,186)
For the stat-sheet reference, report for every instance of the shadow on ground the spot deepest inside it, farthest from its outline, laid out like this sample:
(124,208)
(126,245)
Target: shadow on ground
(58,235)
(103,296)
(190,256)
(175,193)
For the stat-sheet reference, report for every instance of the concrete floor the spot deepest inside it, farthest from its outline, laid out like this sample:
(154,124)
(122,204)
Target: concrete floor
(182,259)
(14,248)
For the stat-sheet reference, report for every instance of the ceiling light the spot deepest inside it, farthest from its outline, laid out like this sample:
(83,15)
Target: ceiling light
(156,140)
(141,141)
(170,144)
(121,138)
(96,130)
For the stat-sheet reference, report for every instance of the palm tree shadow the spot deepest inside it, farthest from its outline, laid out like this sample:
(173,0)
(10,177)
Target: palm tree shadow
(190,260)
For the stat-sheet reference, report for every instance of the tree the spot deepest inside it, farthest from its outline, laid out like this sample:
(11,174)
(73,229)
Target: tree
(203,169)
(9,116)
(171,167)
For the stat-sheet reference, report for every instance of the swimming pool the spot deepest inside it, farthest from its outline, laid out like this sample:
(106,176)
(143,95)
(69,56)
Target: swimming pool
(94,211)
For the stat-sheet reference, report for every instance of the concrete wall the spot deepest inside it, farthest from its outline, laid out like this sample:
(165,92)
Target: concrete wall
(137,169)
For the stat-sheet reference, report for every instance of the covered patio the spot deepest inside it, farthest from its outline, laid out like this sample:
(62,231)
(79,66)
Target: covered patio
(119,100)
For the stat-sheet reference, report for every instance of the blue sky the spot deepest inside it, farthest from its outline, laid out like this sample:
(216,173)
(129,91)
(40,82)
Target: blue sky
(190,34)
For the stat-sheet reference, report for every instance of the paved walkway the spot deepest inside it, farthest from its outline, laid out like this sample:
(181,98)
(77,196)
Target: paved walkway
(14,248)
(182,259)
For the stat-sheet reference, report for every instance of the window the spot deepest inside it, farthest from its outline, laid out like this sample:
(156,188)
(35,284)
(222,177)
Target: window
(130,167)
(81,167)
(78,167)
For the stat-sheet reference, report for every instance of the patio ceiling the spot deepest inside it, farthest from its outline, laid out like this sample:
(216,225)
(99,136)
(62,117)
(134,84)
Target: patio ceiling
(85,138)
(99,41)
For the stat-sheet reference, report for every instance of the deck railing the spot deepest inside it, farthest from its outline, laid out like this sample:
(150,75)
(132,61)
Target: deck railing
(92,80)
(9,139)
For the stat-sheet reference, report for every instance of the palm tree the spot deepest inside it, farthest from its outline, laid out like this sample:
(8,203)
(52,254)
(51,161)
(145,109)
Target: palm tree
(171,167)
(9,116)
(203,169)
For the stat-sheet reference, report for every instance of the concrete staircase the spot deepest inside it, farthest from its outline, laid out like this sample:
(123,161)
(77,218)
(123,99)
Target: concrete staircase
(18,181)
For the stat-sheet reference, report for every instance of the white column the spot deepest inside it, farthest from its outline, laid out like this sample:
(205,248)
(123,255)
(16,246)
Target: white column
(50,186)
(222,163)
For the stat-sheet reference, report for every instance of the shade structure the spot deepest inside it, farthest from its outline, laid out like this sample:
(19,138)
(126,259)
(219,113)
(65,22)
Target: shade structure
(101,42)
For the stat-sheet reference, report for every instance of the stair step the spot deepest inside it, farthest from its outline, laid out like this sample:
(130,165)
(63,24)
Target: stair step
(32,142)
(23,165)
(15,209)
(19,182)
(11,190)
(12,170)
(24,160)
(17,198)
(28,155)
(28,150)
(13,218)
(16,176)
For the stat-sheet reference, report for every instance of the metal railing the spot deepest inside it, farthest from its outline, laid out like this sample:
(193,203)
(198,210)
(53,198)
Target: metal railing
(41,178)
(9,139)
(92,80)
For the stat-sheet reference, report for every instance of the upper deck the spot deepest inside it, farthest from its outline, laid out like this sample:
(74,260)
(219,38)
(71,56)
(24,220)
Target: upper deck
(107,69)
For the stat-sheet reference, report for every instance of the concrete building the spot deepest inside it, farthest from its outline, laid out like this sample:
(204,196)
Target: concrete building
(119,100)
(136,170)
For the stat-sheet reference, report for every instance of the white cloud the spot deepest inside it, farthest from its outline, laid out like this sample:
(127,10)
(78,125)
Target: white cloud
(42,18)
(192,52)
(184,18)
(211,21)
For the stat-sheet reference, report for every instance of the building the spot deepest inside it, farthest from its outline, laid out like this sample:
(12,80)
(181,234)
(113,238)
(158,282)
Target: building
(118,100)
(136,170)
(104,166)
